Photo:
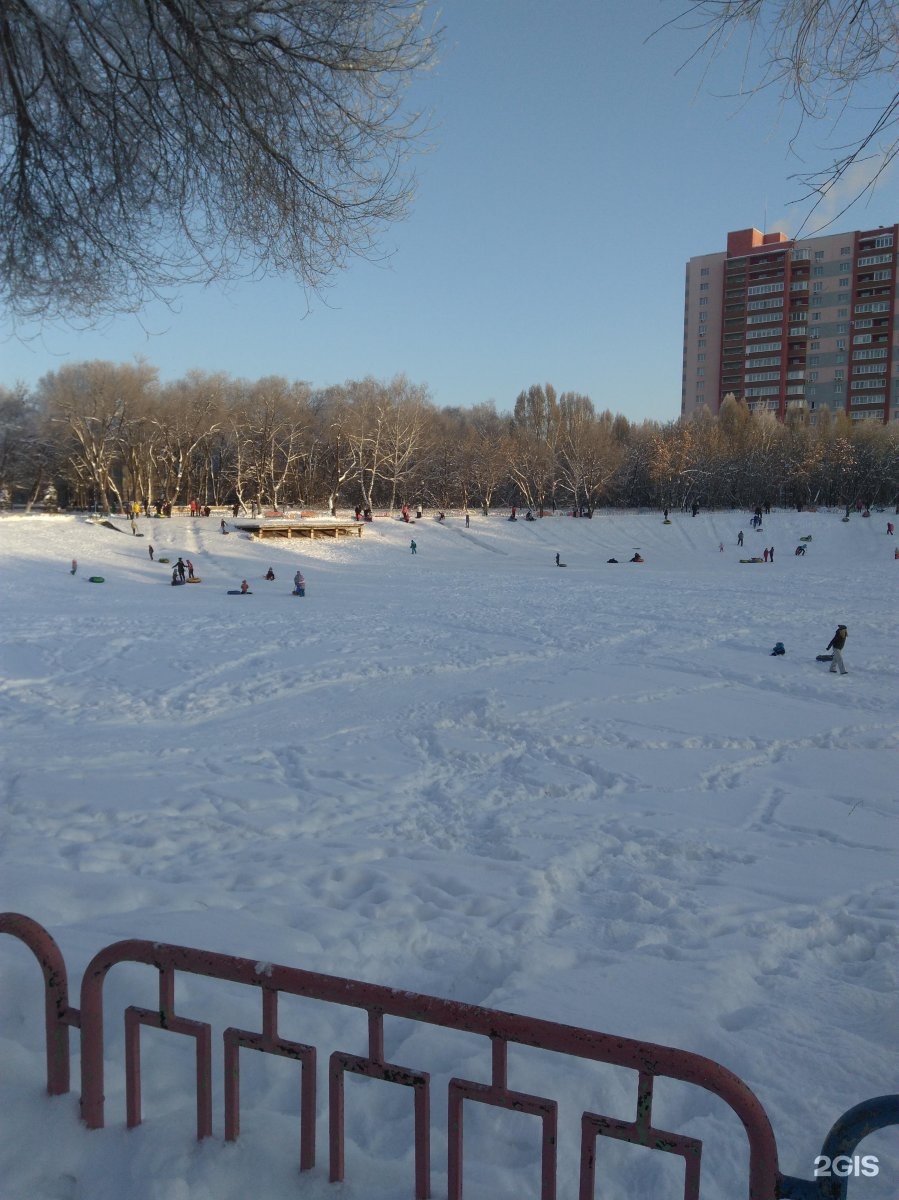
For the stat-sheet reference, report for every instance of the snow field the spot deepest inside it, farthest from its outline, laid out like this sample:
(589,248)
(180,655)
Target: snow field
(587,795)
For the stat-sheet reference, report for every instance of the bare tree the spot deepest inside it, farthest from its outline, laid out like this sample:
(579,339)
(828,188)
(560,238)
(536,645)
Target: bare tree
(92,404)
(144,143)
(820,54)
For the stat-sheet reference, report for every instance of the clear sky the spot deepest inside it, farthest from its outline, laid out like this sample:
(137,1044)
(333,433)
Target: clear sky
(572,171)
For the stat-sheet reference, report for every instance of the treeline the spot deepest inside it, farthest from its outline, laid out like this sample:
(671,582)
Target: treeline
(102,435)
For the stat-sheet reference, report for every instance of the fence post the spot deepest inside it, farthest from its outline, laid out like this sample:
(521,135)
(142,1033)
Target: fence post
(57,1014)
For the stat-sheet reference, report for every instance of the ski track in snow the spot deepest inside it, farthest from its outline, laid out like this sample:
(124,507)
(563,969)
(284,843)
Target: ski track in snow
(589,795)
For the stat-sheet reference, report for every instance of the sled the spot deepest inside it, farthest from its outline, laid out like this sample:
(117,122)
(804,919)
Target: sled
(666,521)
(823,658)
(165,560)
(807,538)
(237,592)
(196,579)
(95,579)
(751,560)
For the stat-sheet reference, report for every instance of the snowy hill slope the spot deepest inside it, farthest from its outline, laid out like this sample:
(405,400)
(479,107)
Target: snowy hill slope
(589,795)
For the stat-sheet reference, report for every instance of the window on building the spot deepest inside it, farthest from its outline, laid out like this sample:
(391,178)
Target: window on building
(845,267)
(703,299)
(702,330)
(885,239)
(842,312)
(703,287)
(845,250)
(704,271)
(816,345)
(841,343)
(817,270)
(819,256)
(817,287)
(842,329)
(813,360)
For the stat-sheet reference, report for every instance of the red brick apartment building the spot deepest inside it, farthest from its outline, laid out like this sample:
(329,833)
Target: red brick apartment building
(781,324)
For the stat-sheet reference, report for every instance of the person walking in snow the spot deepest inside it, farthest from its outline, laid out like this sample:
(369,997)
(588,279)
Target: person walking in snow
(765,555)
(558,564)
(181,569)
(190,569)
(890,528)
(150,548)
(836,644)
(467,523)
(74,565)
(299,584)
(740,538)
(771,555)
(413,547)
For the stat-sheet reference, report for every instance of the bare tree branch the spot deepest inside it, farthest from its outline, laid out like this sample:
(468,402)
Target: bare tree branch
(822,55)
(145,143)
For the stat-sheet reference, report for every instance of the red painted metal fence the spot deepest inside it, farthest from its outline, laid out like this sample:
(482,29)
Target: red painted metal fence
(502,1029)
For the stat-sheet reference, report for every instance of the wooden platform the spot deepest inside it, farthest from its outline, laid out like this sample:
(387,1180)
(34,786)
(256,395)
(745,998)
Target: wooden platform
(321,527)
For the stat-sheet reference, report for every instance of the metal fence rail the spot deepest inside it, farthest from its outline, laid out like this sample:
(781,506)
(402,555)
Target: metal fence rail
(650,1062)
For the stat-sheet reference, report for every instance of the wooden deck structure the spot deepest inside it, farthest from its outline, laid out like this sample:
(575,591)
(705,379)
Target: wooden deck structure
(311,528)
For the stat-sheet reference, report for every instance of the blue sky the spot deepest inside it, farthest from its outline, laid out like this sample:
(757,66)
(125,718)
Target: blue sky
(572,170)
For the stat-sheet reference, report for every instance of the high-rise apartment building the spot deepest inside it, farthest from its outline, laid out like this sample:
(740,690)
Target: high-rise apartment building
(781,324)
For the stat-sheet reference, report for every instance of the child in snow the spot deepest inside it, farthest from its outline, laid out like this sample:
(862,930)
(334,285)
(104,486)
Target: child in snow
(150,548)
(836,644)
(412,546)
(270,574)
(190,569)
(244,587)
(74,565)
(299,584)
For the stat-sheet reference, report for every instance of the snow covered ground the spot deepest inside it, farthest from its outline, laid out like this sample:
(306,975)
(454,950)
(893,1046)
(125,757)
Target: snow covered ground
(589,795)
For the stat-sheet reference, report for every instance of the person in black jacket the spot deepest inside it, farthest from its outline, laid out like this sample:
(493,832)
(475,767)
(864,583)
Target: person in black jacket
(837,642)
